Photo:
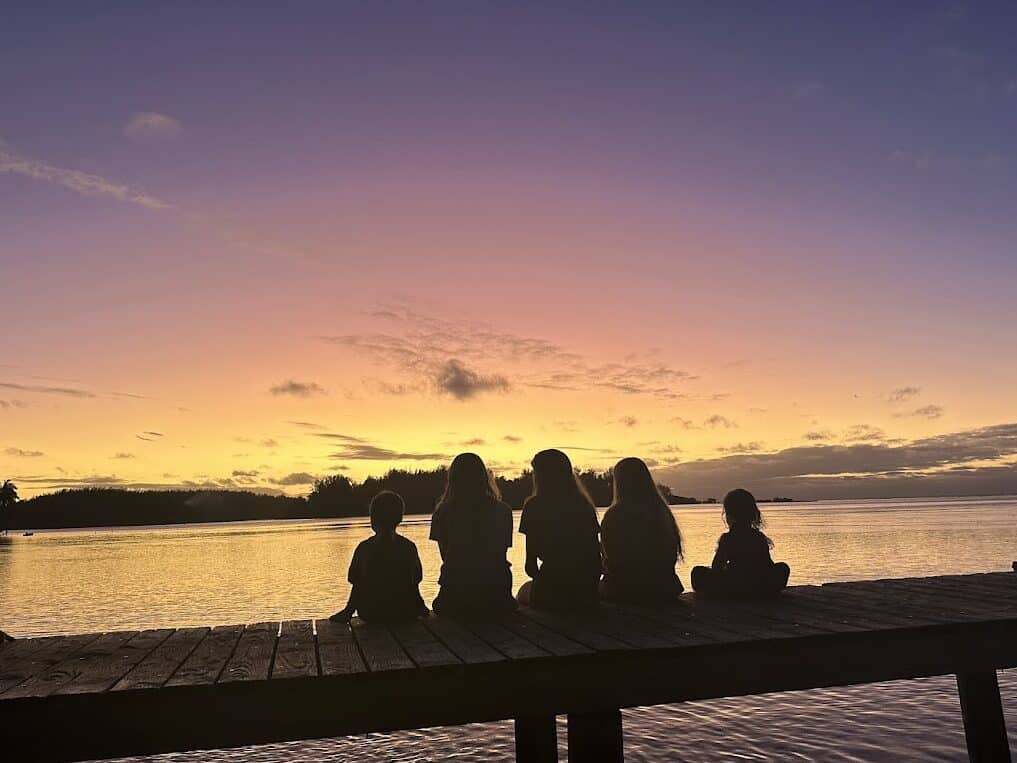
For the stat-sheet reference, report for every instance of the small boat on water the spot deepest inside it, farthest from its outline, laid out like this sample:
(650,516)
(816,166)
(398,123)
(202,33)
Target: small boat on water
(27,534)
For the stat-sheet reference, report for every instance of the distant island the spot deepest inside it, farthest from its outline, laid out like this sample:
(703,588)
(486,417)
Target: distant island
(335,496)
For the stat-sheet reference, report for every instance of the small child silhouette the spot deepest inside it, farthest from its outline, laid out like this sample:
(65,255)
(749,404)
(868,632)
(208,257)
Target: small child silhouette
(385,571)
(742,566)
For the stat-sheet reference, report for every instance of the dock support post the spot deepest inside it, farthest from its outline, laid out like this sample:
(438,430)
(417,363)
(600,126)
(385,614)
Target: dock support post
(984,725)
(536,739)
(596,737)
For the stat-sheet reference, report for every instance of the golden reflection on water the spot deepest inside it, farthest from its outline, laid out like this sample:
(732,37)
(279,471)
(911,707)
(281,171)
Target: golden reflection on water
(74,581)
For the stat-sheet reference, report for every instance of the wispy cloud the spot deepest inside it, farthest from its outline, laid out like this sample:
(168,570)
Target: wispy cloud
(684,423)
(45,390)
(903,394)
(295,478)
(297,389)
(716,421)
(79,182)
(925,412)
(428,349)
(151,125)
(123,456)
(864,433)
(306,424)
(741,447)
(22,453)
(368,452)
(358,449)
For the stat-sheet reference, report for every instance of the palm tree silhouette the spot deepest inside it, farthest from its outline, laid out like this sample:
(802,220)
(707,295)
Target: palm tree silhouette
(8,497)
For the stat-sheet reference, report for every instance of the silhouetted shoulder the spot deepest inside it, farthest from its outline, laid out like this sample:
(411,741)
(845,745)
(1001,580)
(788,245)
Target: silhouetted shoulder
(405,543)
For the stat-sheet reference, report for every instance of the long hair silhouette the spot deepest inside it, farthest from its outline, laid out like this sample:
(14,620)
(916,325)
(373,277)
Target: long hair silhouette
(635,491)
(555,480)
(742,511)
(469,483)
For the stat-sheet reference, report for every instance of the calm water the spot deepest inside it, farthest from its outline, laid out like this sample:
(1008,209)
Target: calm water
(74,581)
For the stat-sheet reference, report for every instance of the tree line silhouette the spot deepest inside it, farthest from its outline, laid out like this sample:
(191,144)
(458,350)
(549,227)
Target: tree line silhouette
(333,496)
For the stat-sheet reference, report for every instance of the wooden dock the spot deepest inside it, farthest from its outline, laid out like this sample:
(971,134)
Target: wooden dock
(105,695)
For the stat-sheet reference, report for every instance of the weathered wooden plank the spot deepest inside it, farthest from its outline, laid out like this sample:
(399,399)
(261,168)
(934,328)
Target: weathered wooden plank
(550,641)
(156,669)
(683,626)
(879,617)
(204,665)
(510,644)
(845,619)
(771,616)
(100,675)
(987,591)
(757,619)
(337,650)
(966,600)
(423,647)
(620,624)
(252,658)
(24,658)
(580,627)
(83,661)
(883,612)
(465,644)
(295,656)
(380,648)
(677,626)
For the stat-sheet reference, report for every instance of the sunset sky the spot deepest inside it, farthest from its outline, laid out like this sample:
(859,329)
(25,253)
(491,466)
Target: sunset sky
(245,246)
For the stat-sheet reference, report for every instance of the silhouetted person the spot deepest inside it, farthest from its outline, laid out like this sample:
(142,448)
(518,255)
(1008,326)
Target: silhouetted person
(473,528)
(742,567)
(561,528)
(641,540)
(385,572)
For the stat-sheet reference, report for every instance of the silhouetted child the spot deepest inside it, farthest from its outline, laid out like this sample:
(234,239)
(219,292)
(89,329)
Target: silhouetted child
(562,545)
(641,540)
(385,572)
(742,566)
(473,529)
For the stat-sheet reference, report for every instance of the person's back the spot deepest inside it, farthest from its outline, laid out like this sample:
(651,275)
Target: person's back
(641,540)
(565,539)
(385,572)
(639,558)
(473,529)
(744,550)
(742,566)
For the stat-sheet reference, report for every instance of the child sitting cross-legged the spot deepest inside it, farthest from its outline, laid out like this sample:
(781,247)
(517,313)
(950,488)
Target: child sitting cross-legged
(742,567)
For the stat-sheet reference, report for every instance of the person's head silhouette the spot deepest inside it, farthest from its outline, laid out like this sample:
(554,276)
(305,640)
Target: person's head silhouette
(469,481)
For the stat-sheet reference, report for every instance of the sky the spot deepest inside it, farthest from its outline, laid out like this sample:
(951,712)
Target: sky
(769,246)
